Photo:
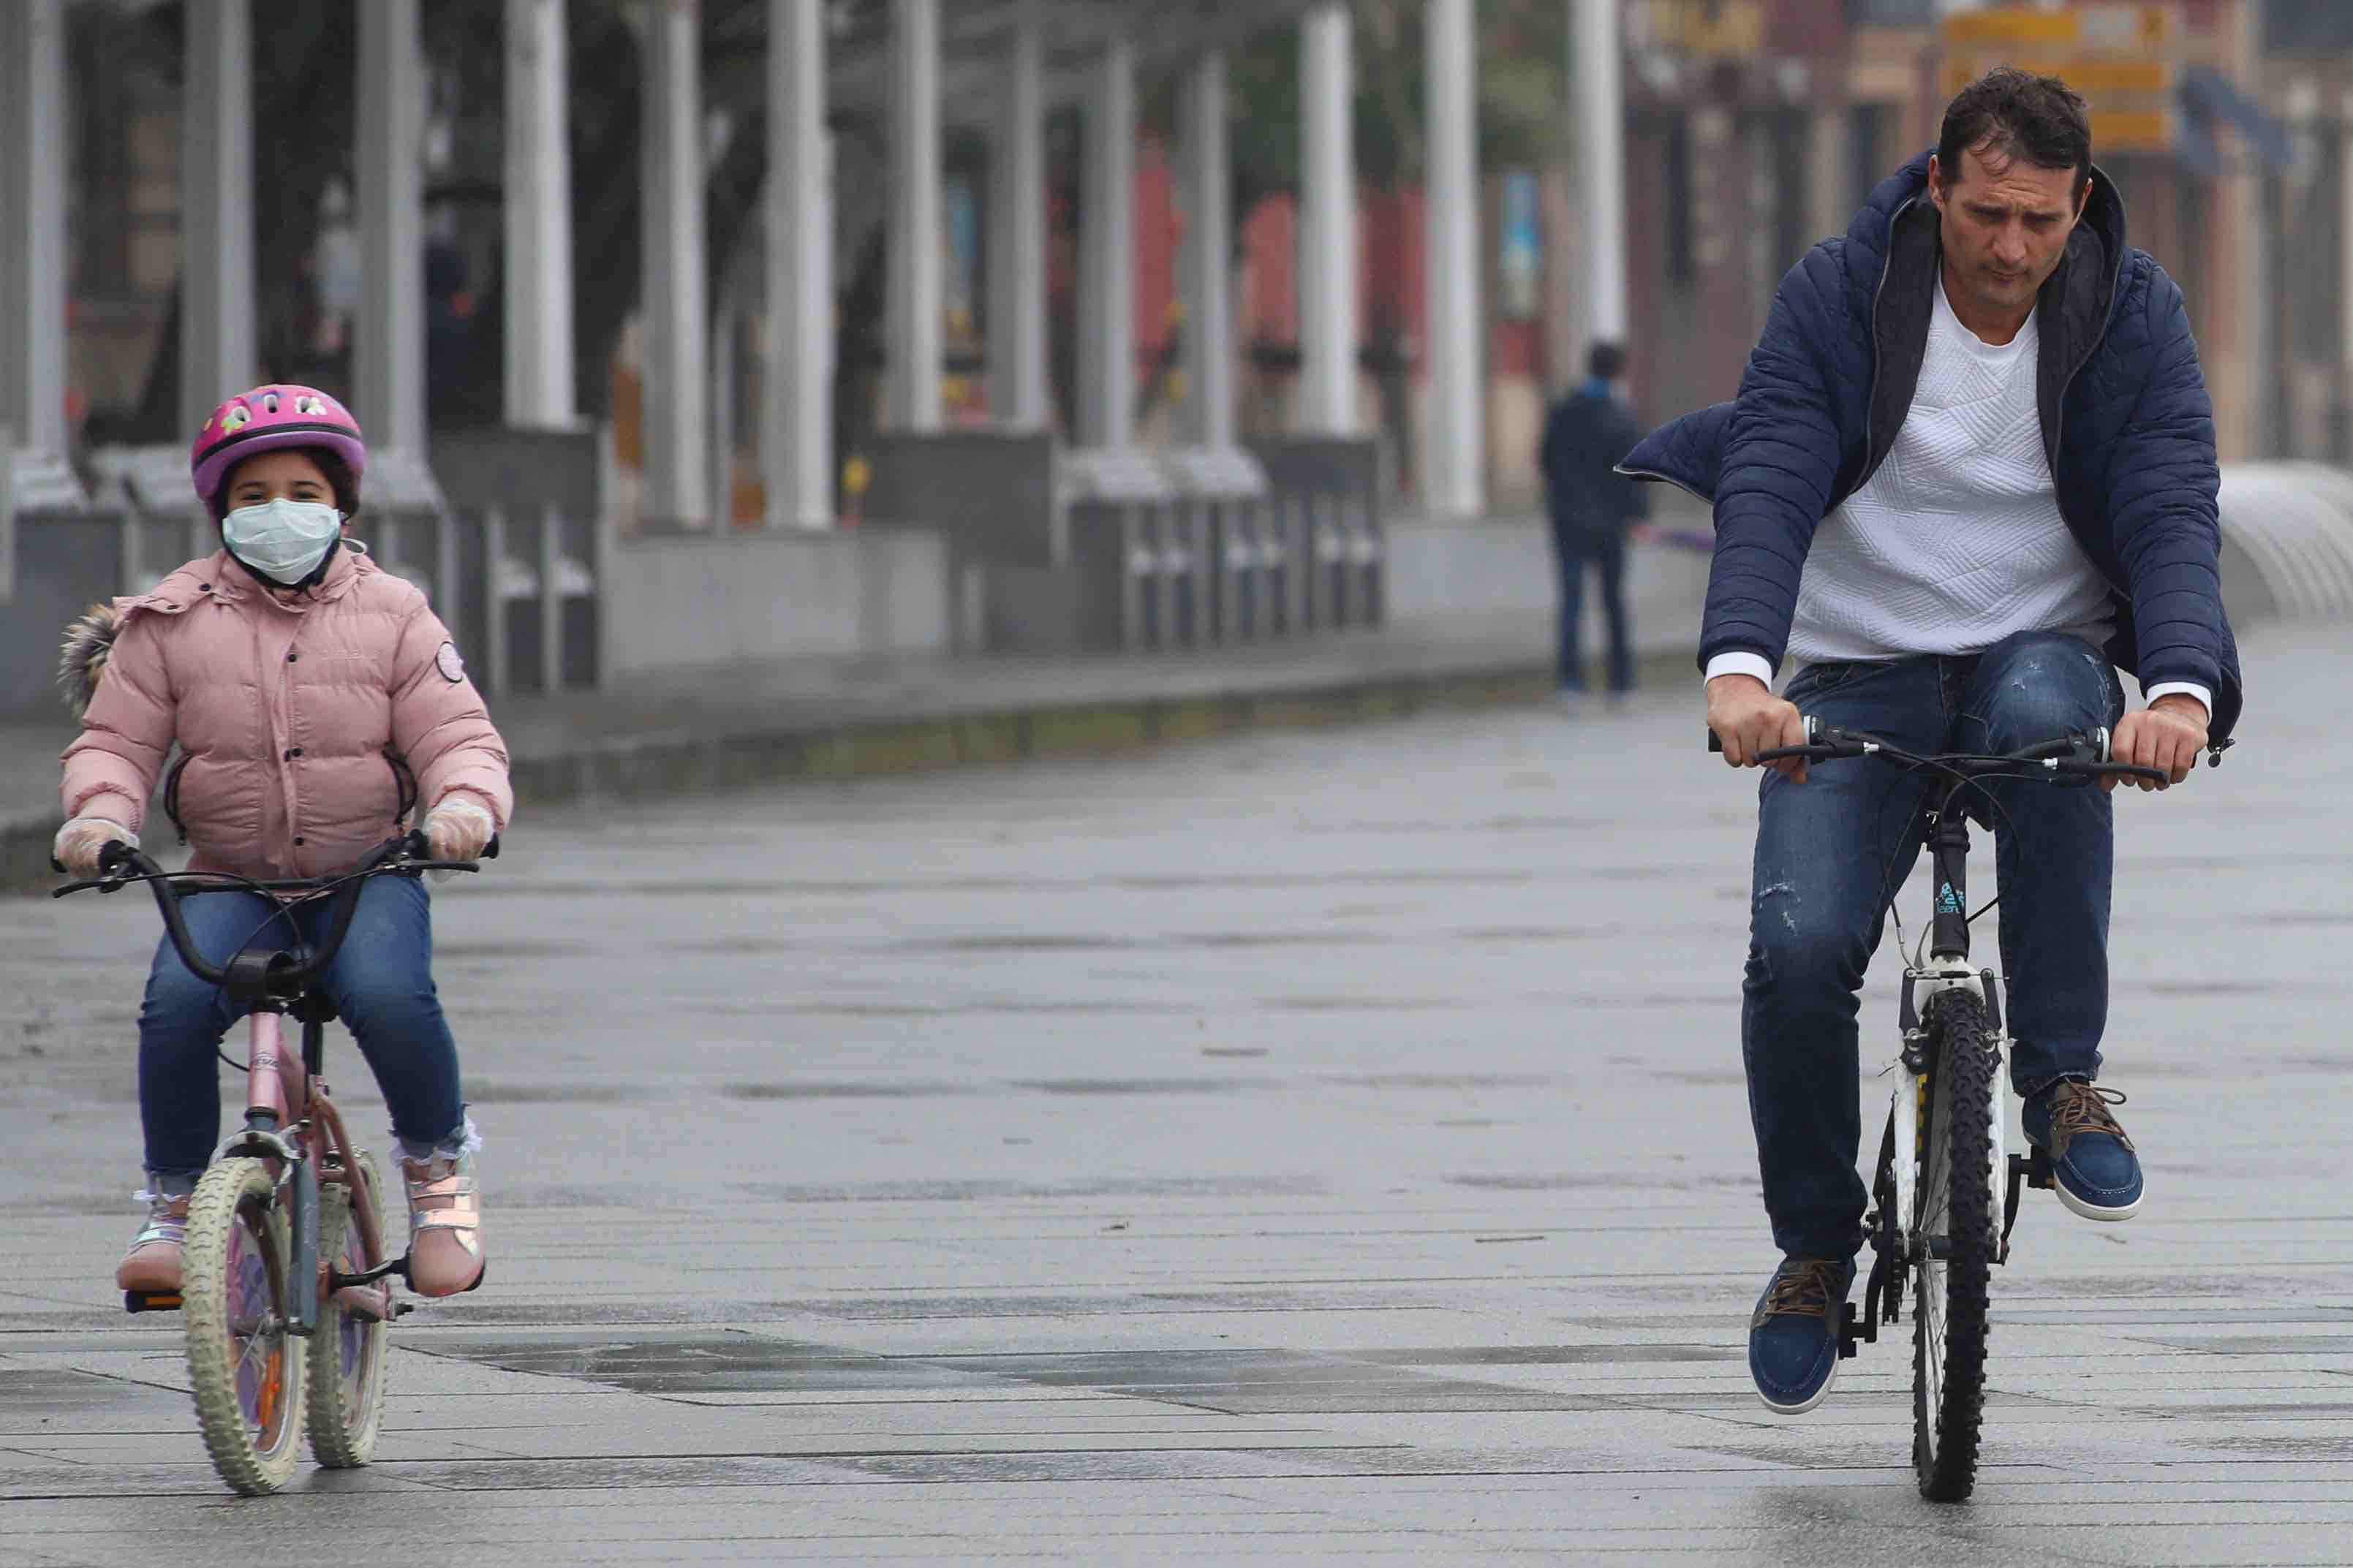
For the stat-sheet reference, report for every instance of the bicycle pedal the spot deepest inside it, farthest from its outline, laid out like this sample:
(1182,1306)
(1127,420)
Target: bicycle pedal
(150,1300)
(2037,1165)
(1853,1330)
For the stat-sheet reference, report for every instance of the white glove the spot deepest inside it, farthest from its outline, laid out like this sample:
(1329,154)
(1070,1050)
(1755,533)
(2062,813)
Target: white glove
(458,828)
(80,841)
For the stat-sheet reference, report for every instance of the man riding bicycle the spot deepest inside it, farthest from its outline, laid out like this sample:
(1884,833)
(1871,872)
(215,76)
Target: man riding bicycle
(1970,474)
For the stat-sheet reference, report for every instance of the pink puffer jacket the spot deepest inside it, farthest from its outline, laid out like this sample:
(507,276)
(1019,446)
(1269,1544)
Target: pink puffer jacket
(301,722)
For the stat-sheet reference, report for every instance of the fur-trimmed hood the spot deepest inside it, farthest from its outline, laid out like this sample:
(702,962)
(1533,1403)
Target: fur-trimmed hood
(82,661)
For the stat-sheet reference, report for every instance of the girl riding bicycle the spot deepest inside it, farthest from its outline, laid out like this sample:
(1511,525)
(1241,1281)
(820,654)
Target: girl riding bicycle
(315,700)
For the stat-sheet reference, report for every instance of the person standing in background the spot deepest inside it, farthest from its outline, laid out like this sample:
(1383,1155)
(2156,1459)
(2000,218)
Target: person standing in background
(1592,506)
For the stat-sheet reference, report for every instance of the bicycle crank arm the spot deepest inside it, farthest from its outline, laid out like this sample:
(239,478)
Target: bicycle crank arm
(2032,1169)
(339,1280)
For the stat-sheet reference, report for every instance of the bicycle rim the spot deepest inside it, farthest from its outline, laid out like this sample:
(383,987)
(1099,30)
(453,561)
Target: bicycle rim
(1954,1241)
(245,1370)
(347,1353)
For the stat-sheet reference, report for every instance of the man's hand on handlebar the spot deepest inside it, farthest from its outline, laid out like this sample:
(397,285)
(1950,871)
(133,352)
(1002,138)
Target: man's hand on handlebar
(1747,718)
(2167,734)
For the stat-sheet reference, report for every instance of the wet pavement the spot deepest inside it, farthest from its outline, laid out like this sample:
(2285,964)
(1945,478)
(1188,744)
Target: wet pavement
(1316,1147)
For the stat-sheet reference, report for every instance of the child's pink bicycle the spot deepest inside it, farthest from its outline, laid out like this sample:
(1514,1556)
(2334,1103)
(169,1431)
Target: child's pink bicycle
(284,1284)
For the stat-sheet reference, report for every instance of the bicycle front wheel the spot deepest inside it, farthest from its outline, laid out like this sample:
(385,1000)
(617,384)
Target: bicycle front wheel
(347,1352)
(244,1367)
(1953,1242)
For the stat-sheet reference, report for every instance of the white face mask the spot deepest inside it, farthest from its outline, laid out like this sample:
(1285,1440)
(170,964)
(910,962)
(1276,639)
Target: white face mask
(283,539)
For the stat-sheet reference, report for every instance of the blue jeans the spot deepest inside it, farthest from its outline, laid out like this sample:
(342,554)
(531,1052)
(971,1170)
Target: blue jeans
(381,982)
(1606,553)
(1830,853)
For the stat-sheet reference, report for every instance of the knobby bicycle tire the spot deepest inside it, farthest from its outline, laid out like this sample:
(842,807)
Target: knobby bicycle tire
(1950,1293)
(245,1371)
(348,1352)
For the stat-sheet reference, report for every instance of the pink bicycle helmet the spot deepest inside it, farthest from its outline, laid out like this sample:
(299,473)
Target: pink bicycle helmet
(267,418)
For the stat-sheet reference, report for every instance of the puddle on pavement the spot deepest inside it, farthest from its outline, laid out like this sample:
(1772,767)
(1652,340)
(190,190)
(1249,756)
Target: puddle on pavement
(959,1192)
(495,1093)
(1611,1181)
(41,1391)
(760,1091)
(1238,1382)
(1134,1086)
(1437,1081)
(2338,1345)
(1549,1355)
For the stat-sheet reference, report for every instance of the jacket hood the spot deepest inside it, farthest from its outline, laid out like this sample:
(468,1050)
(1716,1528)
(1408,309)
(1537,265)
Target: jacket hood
(81,662)
(89,640)
(2086,293)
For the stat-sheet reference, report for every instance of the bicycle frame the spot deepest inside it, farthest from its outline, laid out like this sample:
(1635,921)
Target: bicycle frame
(1946,969)
(291,1121)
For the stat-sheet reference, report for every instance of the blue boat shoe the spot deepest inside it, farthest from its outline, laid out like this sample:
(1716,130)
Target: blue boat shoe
(1793,1338)
(2093,1163)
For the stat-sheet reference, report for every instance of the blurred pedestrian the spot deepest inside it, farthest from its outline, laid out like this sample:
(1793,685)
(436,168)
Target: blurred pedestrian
(1592,507)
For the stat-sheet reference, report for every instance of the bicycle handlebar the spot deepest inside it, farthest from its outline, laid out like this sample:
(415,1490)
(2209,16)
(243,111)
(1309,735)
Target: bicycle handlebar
(2082,754)
(121,865)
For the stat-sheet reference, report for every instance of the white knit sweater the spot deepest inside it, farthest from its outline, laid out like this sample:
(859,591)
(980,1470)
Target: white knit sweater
(1956,542)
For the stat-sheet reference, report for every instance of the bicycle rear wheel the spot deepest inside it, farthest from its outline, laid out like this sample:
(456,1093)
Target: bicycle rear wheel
(347,1353)
(244,1368)
(1953,1240)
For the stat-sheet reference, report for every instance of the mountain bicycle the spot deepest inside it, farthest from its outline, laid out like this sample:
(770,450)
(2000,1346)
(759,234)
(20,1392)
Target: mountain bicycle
(285,1289)
(1944,1195)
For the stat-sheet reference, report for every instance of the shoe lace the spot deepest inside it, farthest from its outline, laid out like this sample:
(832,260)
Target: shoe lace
(2084,1107)
(1801,1288)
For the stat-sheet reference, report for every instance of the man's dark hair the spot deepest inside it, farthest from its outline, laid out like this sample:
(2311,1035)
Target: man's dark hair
(2010,113)
(1605,361)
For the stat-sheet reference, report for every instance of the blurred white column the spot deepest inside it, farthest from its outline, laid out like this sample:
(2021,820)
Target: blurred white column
(1016,236)
(673,300)
(1453,474)
(797,438)
(1829,171)
(538,213)
(33,207)
(218,356)
(1598,87)
(388,340)
(912,327)
(1327,225)
(1106,411)
(1205,265)
(2345,276)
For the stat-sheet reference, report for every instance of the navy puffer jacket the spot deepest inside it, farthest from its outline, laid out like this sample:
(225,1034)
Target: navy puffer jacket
(2127,425)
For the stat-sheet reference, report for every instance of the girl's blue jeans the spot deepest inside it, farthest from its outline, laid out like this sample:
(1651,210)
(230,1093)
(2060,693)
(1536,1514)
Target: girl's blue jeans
(381,982)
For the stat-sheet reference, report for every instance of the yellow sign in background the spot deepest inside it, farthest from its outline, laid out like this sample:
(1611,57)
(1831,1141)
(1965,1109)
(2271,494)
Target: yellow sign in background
(2120,57)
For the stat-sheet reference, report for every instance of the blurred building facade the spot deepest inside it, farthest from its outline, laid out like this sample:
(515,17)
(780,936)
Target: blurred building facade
(1758,126)
(1750,128)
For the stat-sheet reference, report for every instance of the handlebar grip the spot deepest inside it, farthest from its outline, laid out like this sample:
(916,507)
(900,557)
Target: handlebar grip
(490,850)
(1813,736)
(56,865)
